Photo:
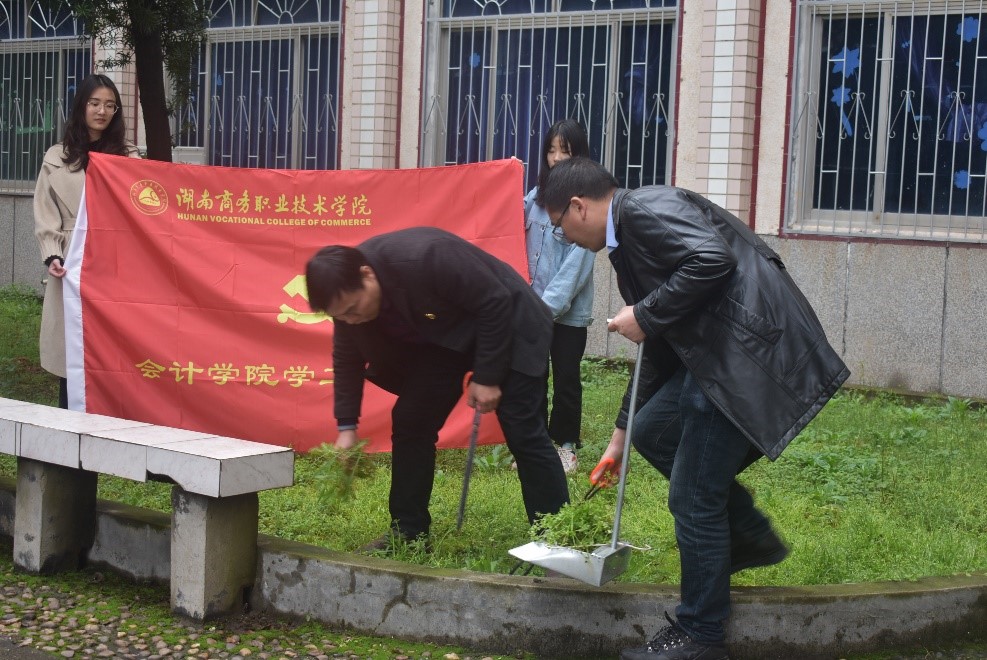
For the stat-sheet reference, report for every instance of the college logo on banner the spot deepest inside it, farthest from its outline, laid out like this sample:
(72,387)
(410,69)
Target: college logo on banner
(149,197)
(187,304)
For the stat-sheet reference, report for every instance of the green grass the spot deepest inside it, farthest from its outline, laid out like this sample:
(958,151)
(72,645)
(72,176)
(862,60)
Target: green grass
(21,377)
(878,487)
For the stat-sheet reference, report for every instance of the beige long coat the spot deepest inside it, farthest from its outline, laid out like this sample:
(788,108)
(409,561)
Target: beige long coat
(56,204)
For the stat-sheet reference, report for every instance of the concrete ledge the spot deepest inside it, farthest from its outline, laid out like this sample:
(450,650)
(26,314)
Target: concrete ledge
(562,618)
(555,618)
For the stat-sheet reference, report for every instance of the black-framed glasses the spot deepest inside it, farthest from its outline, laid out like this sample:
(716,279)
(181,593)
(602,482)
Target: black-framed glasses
(557,230)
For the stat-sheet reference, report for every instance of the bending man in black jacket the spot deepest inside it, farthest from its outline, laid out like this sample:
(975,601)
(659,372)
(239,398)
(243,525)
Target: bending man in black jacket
(414,310)
(735,365)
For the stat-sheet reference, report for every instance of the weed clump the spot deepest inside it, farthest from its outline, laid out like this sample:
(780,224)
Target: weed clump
(581,525)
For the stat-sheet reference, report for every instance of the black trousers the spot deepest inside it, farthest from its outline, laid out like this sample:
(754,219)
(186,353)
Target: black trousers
(428,382)
(568,345)
(63,393)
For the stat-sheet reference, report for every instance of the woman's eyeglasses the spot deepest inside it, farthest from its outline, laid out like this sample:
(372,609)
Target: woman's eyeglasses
(109,106)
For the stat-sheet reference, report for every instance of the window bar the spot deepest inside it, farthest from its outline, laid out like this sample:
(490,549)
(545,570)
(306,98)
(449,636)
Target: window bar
(877,154)
(642,139)
(305,153)
(662,119)
(556,94)
(958,150)
(980,176)
(539,116)
(887,120)
(241,128)
(217,124)
(297,129)
(822,143)
(855,118)
(504,126)
(477,146)
(462,98)
(926,179)
(302,49)
(248,139)
(434,105)
(288,154)
(455,73)
(609,74)
(918,112)
(920,143)
(944,143)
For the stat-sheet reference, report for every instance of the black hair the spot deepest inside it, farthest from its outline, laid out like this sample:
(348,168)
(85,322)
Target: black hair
(334,270)
(576,177)
(76,140)
(571,136)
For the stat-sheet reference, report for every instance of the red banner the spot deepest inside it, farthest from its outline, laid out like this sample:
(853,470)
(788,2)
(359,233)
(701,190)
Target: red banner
(192,298)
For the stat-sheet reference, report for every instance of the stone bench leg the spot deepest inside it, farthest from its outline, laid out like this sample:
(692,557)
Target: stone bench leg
(54,516)
(213,552)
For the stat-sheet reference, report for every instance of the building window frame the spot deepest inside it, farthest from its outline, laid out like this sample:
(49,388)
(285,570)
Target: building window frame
(43,54)
(884,174)
(210,130)
(637,157)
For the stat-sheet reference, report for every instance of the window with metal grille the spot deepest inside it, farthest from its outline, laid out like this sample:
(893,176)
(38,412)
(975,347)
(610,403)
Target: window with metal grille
(41,61)
(889,135)
(266,86)
(499,73)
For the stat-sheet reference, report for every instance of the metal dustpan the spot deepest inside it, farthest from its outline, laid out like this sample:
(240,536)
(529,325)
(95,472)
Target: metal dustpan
(595,568)
(608,561)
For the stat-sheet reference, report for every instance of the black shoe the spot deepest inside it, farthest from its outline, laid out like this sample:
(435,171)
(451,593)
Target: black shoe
(389,542)
(671,643)
(765,551)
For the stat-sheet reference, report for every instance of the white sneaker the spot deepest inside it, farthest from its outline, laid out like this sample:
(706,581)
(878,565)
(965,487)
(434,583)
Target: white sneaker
(569,460)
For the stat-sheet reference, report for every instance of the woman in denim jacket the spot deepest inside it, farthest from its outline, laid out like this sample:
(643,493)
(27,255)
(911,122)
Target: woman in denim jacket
(562,275)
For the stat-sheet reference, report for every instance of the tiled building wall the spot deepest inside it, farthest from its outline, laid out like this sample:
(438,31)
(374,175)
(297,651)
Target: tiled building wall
(371,93)
(727,102)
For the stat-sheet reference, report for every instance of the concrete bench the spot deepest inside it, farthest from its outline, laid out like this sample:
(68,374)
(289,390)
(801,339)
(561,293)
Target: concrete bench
(214,501)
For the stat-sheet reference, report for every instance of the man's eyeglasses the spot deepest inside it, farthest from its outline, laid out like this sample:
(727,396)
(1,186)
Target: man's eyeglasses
(557,230)
(96,104)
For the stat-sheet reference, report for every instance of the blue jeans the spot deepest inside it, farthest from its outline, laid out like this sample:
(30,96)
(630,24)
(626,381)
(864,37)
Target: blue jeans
(701,452)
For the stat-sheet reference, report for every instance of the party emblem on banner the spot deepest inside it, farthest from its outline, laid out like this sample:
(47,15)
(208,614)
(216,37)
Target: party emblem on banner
(297,287)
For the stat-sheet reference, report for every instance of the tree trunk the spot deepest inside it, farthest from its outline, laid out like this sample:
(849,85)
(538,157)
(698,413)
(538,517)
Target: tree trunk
(149,62)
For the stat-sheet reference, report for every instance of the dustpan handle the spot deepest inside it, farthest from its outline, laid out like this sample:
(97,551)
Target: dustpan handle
(625,459)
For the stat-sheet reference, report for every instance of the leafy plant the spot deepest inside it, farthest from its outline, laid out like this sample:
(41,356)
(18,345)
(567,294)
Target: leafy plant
(919,414)
(907,435)
(498,458)
(839,475)
(337,470)
(956,406)
(582,525)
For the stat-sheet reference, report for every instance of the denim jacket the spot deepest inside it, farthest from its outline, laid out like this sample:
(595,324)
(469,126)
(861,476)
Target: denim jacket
(561,274)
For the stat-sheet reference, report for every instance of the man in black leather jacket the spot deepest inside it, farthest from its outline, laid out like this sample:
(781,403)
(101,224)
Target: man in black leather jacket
(735,365)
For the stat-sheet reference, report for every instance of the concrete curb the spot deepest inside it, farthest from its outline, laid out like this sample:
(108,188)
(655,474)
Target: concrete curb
(562,618)
(553,617)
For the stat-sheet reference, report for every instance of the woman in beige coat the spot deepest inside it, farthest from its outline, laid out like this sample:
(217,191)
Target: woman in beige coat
(95,124)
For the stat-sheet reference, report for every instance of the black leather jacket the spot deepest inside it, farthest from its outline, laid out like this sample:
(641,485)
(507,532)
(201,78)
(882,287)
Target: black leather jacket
(711,295)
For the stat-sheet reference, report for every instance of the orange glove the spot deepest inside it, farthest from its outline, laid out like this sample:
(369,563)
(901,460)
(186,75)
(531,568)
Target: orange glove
(605,474)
